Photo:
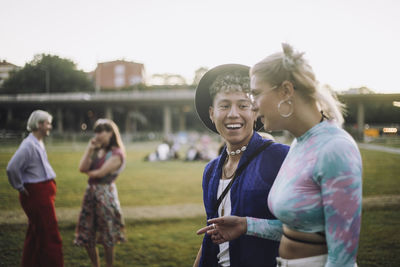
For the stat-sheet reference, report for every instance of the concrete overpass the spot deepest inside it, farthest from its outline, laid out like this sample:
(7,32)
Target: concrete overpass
(129,101)
(360,101)
(165,99)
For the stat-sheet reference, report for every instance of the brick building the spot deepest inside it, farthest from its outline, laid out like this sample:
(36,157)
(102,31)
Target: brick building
(118,74)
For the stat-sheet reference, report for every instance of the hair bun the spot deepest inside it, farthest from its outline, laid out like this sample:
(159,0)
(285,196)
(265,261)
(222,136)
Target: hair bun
(291,59)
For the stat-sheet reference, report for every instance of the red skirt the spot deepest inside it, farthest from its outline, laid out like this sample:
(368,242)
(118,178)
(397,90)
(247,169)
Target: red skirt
(43,245)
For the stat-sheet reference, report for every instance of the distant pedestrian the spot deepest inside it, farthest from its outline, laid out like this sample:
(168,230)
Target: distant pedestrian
(100,220)
(30,173)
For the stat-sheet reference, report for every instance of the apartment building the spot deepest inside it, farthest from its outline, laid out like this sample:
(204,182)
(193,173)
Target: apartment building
(114,75)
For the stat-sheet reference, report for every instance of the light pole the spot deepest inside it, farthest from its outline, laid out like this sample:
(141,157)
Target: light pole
(47,73)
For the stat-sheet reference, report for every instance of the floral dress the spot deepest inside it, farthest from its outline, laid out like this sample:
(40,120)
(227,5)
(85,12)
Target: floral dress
(100,220)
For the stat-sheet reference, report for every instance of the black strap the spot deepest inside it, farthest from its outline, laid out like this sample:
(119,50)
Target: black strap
(305,241)
(239,171)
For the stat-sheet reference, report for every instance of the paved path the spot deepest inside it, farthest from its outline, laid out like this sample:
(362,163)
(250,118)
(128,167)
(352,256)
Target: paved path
(171,211)
(130,213)
(379,148)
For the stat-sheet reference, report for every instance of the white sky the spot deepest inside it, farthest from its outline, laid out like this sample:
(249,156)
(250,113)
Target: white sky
(349,43)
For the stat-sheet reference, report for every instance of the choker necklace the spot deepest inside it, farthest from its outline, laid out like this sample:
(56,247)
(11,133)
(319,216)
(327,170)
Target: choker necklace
(236,152)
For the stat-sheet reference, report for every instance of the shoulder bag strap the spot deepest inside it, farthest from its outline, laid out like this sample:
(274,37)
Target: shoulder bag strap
(239,171)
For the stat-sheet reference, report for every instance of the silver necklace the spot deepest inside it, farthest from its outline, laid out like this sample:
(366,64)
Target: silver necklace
(236,152)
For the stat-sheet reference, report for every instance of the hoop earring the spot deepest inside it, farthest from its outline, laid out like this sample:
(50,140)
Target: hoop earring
(291,108)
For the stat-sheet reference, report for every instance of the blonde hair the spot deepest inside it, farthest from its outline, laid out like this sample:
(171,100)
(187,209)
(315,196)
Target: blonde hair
(110,126)
(36,117)
(291,66)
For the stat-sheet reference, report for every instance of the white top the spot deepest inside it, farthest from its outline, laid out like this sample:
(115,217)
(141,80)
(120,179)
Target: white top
(162,151)
(29,164)
(223,255)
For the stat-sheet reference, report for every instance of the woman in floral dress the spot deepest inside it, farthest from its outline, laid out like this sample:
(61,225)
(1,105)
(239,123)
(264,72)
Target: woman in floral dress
(100,220)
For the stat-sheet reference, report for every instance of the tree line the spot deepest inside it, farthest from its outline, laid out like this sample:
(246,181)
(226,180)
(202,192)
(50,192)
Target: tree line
(51,74)
(47,73)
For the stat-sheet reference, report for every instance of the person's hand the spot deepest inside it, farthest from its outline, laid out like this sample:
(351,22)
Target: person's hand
(225,228)
(25,192)
(93,144)
(94,174)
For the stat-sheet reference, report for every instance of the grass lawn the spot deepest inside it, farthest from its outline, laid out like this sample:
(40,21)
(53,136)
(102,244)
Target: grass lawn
(379,240)
(174,242)
(150,243)
(141,183)
(381,173)
(174,182)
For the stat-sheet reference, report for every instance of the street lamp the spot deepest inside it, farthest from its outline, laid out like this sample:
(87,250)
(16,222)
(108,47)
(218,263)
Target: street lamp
(47,73)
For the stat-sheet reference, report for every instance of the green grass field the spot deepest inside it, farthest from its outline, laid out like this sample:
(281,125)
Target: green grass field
(141,183)
(173,242)
(150,243)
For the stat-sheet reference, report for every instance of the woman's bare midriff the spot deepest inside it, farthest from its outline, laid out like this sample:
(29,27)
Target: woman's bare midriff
(290,249)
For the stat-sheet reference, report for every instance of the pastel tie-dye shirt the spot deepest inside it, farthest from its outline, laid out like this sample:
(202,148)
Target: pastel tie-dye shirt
(318,189)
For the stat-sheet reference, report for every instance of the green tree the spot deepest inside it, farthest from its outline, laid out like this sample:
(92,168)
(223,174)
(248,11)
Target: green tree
(47,73)
(198,74)
(168,79)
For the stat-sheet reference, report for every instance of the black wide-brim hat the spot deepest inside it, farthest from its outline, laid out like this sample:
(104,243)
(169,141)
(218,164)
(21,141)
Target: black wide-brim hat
(203,100)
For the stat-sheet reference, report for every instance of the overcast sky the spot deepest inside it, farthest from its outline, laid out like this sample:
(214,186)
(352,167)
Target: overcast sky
(349,43)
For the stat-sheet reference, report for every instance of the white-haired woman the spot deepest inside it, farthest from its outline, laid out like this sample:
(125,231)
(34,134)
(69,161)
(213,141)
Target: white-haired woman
(30,173)
(317,193)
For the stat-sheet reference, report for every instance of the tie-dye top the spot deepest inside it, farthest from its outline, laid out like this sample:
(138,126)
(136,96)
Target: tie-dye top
(318,189)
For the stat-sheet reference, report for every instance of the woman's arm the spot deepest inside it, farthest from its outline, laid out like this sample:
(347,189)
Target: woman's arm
(17,164)
(225,228)
(339,172)
(110,166)
(86,160)
(264,228)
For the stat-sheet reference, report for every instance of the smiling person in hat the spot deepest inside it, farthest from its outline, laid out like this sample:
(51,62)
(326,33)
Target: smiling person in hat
(238,181)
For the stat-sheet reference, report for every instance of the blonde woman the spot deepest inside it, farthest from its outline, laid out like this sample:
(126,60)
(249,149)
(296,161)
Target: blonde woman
(100,220)
(317,193)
